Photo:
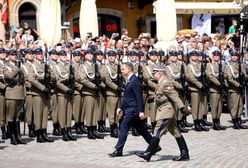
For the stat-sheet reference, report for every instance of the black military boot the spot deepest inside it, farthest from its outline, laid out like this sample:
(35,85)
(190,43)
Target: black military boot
(18,133)
(45,137)
(106,129)
(83,129)
(197,126)
(184,156)
(151,150)
(240,125)
(90,133)
(39,136)
(13,140)
(183,130)
(65,135)
(56,131)
(215,125)
(71,137)
(187,124)
(113,132)
(219,125)
(97,135)
(4,133)
(205,122)
(31,133)
(100,126)
(235,123)
(77,128)
(202,126)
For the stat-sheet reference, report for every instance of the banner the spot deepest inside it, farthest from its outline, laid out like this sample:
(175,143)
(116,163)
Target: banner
(4,17)
(201,23)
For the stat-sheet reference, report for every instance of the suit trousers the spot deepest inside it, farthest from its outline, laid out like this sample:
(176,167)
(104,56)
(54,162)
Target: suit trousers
(112,103)
(164,125)
(13,108)
(3,116)
(236,104)
(216,105)
(101,108)
(89,109)
(65,111)
(77,108)
(40,108)
(128,121)
(29,111)
(54,100)
(196,100)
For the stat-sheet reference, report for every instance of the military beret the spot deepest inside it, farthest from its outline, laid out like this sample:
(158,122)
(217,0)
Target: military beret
(234,53)
(216,52)
(99,52)
(180,52)
(89,51)
(158,69)
(38,51)
(62,53)
(193,53)
(111,53)
(2,50)
(202,53)
(161,53)
(246,50)
(76,53)
(132,53)
(173,53)
(68,44)
(141,53)
(12,52)
(92,47)
(119,52)
(153,52)
(28,51)
(53,51)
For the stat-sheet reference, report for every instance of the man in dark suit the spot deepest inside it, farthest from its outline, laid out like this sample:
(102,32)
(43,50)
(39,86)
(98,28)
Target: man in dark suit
(132,105)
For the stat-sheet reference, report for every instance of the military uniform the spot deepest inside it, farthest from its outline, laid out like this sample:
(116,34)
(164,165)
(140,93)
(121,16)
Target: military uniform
(3,117)
(232,75)
(166,99)
(14,96)
(192,74)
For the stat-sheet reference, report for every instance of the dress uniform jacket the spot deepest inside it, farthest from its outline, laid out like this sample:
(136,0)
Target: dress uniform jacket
(173,71)
(192,74)
(212,72)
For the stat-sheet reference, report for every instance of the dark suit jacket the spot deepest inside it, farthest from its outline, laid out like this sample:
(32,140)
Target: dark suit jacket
(132,102)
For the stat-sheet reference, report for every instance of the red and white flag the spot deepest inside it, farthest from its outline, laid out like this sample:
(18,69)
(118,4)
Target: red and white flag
(5,12)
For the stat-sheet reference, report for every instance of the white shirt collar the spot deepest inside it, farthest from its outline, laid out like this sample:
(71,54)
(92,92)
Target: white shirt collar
(128,78)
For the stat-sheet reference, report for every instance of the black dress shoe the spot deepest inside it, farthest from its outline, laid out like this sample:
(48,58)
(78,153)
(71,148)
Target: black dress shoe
(145,155)
(116,153)
(183,157)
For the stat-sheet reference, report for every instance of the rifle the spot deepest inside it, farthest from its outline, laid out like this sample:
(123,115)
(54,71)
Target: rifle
(140,75)
(71,76)
(47,76)
(97,79)
(223,91)
(240,78)
(119,80)
(203,77)
(183,79)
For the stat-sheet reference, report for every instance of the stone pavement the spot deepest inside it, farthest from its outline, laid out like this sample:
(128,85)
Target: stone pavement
(227,149)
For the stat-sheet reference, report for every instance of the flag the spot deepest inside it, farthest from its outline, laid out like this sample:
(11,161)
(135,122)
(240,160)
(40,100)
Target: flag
(5,12)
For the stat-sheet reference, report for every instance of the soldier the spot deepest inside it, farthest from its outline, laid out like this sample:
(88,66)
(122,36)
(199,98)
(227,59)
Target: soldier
(213,74)
(89,92)
(173,71)
(166,98)
(41,92)
(77,99)
(54,100)
(65,94)
(202,59)
(192,74)
(152,85)
(14,95)
(101,103)
(27,67)
(112,90)
(235,89)
(3,117)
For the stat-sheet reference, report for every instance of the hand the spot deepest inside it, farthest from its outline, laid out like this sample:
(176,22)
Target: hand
(119,111)
(184,111)
(69,92)
(141,116)
(119,89)
(47,90)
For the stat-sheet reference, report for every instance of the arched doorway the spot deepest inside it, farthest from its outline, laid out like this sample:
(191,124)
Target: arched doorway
(27,13)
